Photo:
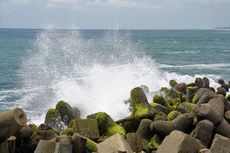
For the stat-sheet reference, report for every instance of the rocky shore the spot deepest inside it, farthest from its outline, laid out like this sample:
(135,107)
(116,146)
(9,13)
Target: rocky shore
(185,118)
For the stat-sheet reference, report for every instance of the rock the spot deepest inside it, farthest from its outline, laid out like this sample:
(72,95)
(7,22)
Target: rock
(206,97)
(228,97)
(228,84)
(199,82)
(144,129)
(76,112)
(225,86)
(206,82)
(44,132)
(221,90)
(139,104)
(134,140)
(45,146)
(186,107)
(203,132)
(11,121)
(145,89)
(227,116)
(65,111)
(106,125)
(205,151)
(218,105)
(154,143)
(172,83)
(172,115)
(145,132)
(25,132)
(160,108)
(81,143)
(201,94)
(220,144)
(4,147)
(173,94)
(181,123)
(179,142)
(223,128)
(68,131)
(181,87)
(115,143)
(205,111)
(53,119)
(160,100)
(190,92)
(221,81)
(11,144)
(86,127)
(64,139)
(160,117)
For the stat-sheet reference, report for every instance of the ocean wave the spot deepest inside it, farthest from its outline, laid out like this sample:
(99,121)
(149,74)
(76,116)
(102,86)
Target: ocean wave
(197,66)
(93,74)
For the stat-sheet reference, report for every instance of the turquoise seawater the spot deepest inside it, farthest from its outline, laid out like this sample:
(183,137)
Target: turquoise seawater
(93,69)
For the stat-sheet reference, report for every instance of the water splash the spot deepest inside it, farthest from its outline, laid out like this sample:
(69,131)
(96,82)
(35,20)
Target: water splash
(93,74)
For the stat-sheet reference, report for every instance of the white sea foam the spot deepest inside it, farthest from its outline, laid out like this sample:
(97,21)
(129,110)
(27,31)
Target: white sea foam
(197,66)
(91,74)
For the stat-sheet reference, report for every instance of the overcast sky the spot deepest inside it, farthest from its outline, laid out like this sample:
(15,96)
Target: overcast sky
(123,14)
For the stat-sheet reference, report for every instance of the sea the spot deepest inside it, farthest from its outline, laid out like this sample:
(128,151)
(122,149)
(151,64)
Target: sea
(95,70)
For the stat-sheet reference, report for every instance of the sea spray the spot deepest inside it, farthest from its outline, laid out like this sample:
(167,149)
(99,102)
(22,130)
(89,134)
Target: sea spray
(91,73)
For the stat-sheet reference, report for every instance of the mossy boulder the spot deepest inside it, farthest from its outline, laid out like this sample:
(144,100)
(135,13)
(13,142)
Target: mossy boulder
(186,107)
(53,119)
(182,123)
(160,100)
(107,126)
(145,133)
(228,97)
(172,83)
(172,115)
(139,104)
(160,117)
(160,107)
(65,111)
(190,92)
(173,94)
(85,127)
(154,143)
(68,131)
(81,143)
(44,132)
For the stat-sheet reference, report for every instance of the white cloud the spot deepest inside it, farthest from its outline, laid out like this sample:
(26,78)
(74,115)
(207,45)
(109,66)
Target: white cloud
(115,3)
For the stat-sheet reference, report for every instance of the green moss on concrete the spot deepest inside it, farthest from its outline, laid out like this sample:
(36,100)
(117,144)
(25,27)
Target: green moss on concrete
(160,117)
(228,97)
(91,145)
(172,115)
(160,107)
(68,131)
(172,83)
(65,111)
(107,126)
(139,104)
(73,124)
(52,116)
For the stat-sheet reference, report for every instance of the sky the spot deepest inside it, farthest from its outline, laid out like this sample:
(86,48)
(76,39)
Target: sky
(110,14)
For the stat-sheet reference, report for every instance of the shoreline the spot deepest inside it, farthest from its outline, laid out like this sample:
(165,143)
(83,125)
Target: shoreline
(183,111)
